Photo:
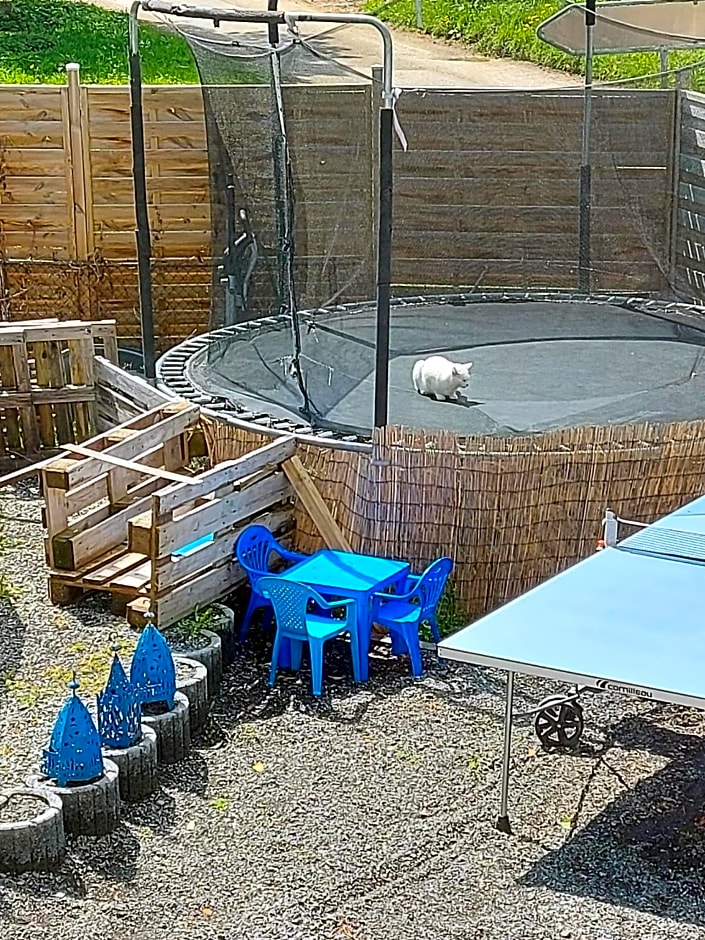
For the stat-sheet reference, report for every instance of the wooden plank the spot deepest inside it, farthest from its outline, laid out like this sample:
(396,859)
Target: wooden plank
(46,396)
(133,387)
(139,533)
(128,464)
(211,586)
(136,578)
(111,569)
(87,495)
(312,501)
(479,192)
(80,365)
(13,439)
(174,570)
(28,418)
(177,418)
(231,472)
(457,246)
(57,380)
(213,515)
(34,191)
(74,549)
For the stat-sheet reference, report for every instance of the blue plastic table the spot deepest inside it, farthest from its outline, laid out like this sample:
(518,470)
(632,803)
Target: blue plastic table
(345,574)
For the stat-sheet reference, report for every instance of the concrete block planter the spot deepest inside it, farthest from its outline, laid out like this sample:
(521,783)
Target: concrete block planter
(192,680)
(172,728)
(31,830)
(138,777)
(90,809)
(202,636)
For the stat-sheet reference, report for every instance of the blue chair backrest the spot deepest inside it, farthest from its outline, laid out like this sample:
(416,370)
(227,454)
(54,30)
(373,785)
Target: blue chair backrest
(253,549)
(432,584)
(290,602)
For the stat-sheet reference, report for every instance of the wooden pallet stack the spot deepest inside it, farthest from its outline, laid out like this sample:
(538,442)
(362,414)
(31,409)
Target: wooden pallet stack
(90,500)
(47,382)
(126,515)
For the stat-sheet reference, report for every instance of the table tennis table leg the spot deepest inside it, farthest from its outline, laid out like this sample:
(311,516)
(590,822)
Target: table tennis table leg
(503,823)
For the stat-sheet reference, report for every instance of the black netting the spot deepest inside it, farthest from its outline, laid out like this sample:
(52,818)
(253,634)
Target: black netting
(495,200)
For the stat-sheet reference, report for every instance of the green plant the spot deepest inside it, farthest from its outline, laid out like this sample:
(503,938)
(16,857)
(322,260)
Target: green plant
(192,626)
(449,614)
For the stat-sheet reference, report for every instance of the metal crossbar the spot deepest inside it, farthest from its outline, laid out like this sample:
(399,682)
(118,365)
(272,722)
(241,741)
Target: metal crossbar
(670,543)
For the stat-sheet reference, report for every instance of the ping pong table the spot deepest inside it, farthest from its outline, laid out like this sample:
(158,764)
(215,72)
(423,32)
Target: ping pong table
(628,619)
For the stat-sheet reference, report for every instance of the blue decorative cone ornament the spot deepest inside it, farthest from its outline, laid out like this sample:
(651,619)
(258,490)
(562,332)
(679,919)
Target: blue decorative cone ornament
(73,755)
(153,673)
(119,710)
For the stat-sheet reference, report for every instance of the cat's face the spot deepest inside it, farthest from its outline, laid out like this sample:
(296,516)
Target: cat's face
(462,371)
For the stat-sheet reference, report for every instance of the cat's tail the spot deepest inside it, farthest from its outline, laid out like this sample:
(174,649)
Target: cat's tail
(416,374)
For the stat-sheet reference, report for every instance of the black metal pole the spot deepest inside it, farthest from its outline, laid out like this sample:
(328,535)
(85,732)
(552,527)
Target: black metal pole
(384,265)
(142,233)
(584,234)
(272,28)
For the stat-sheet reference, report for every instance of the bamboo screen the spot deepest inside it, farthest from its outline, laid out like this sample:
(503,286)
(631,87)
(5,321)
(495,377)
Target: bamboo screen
(511,512)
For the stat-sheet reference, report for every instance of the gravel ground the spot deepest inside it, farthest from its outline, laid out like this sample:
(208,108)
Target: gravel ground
(365,816)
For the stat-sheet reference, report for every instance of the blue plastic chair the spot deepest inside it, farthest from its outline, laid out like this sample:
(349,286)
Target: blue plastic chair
(403,614)
(254,550)
(298,611)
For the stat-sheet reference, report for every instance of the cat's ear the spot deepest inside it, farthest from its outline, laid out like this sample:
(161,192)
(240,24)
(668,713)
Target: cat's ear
(468,366)
(457,369)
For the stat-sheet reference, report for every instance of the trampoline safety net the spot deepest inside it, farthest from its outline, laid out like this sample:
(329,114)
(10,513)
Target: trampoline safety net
(493,259)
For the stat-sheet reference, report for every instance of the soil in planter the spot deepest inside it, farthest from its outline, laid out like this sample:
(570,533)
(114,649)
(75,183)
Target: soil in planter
(14,809)
(152,709)
(184,671)
(184,641)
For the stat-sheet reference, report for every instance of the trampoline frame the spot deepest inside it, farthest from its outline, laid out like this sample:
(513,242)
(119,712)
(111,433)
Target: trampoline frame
(173,373)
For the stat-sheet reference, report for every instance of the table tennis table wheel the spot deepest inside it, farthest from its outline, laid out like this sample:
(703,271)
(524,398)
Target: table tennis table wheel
(559,724)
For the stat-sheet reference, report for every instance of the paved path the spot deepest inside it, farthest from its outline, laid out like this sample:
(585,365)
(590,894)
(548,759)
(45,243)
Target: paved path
(420,60)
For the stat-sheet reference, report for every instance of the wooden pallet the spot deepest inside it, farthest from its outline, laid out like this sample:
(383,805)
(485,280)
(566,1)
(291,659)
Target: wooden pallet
(123,574)
(47,382)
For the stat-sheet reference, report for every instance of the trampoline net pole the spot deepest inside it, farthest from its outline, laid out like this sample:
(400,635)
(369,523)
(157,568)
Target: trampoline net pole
(503,823)
(384,266)
(143,234)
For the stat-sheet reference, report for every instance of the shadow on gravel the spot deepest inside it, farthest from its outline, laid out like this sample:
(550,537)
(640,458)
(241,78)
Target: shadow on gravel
(189,775)
(12,643)
(156,815)
(646,850)
(246,695)
(114,857)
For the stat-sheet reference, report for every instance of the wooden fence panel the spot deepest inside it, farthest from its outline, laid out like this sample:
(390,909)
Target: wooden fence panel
(491,182)
(688,262)
(485,195)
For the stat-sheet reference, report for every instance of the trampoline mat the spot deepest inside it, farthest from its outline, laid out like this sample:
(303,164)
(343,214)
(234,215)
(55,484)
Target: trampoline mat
(537,366)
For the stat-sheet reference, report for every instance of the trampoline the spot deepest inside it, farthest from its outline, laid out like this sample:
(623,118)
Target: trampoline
(540,363)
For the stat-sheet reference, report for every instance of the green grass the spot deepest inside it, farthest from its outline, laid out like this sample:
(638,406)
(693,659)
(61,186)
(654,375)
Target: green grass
(39,37)
(507,29)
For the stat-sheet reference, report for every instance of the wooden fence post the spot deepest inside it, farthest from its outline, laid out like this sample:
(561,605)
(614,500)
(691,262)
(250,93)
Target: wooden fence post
(77,144)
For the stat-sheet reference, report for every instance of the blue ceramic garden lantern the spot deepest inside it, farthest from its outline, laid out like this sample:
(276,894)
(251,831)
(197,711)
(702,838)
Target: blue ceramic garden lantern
(153,673)
(119,709)
(73,755)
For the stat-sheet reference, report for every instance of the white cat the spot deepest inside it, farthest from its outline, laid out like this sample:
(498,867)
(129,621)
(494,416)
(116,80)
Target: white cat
(440,378)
